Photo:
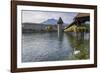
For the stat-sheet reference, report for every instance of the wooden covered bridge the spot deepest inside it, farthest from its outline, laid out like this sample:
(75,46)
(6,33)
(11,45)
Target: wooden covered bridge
(81,18)
(78,21)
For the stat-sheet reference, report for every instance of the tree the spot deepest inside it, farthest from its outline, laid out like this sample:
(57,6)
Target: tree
(49,28)
(60,21)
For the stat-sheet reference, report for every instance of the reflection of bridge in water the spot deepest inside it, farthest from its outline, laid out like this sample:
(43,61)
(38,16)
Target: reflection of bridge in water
(80,44)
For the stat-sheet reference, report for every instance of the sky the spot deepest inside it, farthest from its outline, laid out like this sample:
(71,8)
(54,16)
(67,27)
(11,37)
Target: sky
(41,16)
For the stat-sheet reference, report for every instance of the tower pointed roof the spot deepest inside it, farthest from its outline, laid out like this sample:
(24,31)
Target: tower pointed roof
(60,21)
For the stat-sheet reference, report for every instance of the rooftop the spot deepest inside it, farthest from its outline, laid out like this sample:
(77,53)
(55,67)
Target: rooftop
(82,15)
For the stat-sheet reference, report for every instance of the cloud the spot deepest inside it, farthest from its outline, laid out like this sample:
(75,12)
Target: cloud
(40,16)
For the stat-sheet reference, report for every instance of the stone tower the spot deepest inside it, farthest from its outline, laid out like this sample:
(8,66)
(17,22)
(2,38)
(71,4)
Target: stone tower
(59,26)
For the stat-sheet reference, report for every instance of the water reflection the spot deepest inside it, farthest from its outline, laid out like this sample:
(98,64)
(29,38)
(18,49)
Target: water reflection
(80,45)
(60,36)
(49,47)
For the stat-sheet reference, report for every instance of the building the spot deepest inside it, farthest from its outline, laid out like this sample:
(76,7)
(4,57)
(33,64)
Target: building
(34,27)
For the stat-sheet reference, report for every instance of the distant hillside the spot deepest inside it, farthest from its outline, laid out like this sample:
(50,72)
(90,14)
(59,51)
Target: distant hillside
(50,21)
(47,22)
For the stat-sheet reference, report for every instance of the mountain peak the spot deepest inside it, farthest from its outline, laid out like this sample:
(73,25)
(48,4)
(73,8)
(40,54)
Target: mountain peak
(50,21)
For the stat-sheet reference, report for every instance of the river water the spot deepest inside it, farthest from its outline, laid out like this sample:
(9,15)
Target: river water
(38,47)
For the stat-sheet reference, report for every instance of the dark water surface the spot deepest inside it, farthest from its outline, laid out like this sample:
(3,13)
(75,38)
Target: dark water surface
(49,47)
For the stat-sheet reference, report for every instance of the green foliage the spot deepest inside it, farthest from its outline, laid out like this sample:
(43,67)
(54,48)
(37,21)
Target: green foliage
(49,28)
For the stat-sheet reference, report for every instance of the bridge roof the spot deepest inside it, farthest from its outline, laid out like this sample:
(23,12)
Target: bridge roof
(82,15)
